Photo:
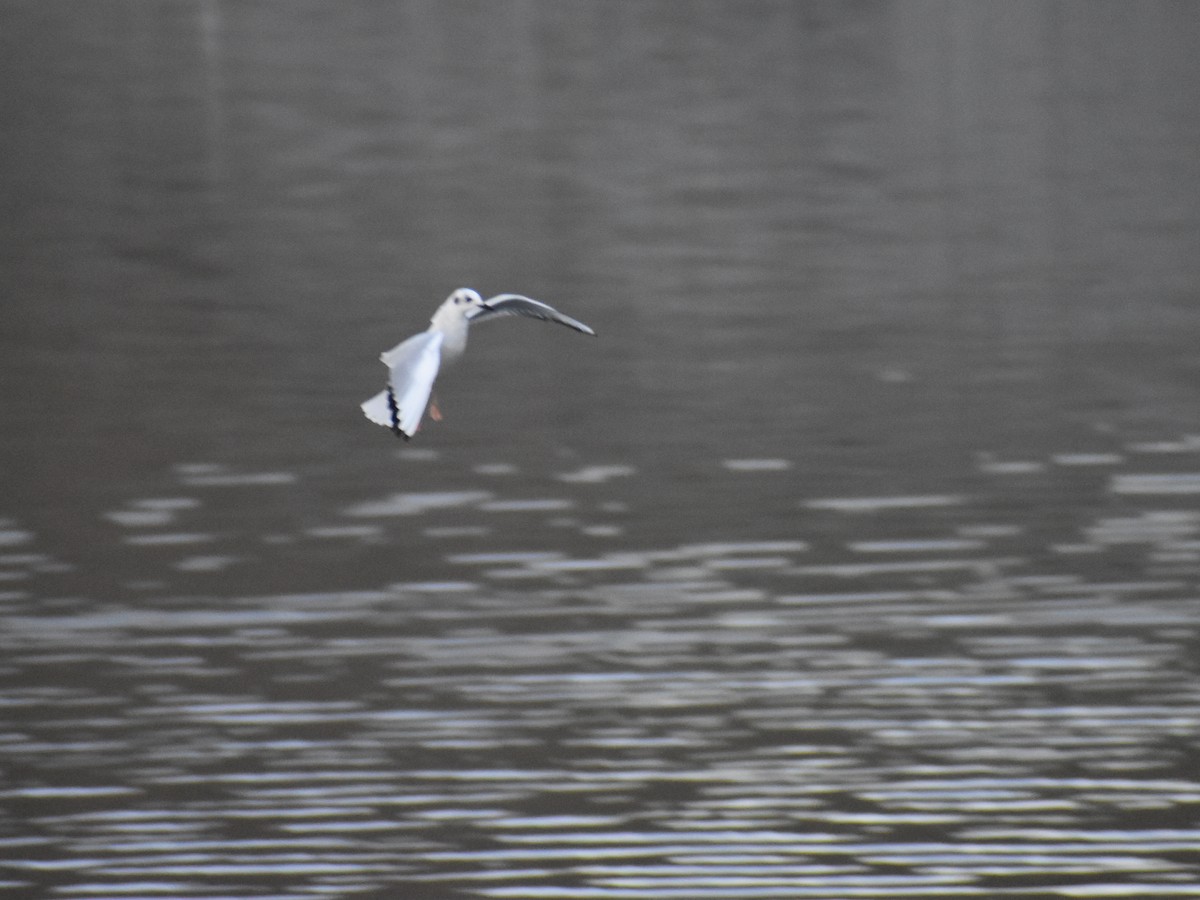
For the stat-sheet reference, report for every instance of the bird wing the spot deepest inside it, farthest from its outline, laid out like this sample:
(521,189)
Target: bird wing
(516,305)
(377,409)
(412,369)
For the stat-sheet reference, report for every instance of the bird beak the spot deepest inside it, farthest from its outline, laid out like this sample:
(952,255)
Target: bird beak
(477,310)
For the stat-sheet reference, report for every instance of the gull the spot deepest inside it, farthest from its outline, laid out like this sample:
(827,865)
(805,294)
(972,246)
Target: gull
(413,365)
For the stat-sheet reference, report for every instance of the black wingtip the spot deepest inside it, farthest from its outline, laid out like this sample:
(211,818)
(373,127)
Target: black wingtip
(395,411)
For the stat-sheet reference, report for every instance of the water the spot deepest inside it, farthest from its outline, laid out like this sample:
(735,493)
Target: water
(856,558)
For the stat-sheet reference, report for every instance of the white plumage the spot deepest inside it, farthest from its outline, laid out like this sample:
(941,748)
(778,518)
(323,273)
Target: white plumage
(413,365)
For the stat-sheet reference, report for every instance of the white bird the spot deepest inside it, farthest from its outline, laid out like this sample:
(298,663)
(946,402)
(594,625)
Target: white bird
(413,365)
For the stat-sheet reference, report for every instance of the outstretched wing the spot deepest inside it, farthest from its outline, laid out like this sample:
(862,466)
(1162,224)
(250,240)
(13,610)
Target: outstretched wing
(412,369)
(516,305)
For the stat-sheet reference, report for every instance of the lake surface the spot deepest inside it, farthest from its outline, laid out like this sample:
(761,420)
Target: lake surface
(857,557)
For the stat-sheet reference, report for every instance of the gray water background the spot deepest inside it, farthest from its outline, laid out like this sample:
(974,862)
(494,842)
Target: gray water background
(856,557)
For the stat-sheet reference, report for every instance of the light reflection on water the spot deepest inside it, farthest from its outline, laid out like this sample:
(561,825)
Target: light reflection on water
(719,719)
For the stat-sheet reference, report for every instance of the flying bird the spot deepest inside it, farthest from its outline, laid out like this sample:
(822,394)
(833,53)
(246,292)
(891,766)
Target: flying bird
(413,365)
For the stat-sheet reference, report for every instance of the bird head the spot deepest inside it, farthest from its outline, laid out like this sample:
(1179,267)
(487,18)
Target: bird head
(459,307)
(467,301)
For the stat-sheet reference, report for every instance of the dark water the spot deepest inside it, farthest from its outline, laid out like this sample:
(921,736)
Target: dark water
(857,558)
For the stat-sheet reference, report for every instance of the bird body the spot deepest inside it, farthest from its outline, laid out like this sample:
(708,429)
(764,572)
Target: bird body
(413,364)
(451,320)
